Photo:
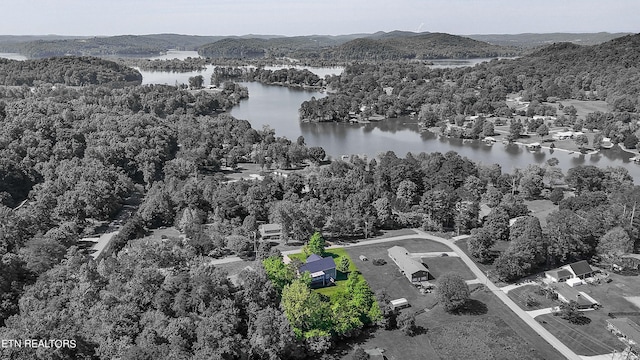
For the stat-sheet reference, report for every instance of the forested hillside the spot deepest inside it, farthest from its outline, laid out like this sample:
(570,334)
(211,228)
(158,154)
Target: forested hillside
(70,71)
(125,45)
(385,46)
(422,46)
(561,71)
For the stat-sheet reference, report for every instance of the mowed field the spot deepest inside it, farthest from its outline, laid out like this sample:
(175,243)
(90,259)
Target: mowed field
(486,330)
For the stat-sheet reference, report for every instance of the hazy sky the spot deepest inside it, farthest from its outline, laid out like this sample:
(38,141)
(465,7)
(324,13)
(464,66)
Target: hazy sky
(306,17)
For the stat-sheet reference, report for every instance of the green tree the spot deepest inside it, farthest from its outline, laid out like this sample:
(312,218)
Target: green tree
(480,244)
(597,141)
(452,291)
(556,195)
(615,242)
(304,309)
(543,130)
(196,82)
(315,245)
(278,272)
(582,140)
(407,323)
(570,311)
(488,129)
(466,215)
(343,264)
(515,129)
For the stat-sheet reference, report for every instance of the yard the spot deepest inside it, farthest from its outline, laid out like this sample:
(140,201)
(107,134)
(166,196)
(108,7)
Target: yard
(443,264)
(593,338)
(335,253)
(541,209)
(521,294)
(489,330)
(589,339)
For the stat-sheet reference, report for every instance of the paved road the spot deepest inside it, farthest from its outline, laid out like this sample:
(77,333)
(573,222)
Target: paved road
(552,340)
(481,278)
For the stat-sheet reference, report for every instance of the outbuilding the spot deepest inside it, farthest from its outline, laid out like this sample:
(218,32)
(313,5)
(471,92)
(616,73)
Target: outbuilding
(399,303)
(414,270)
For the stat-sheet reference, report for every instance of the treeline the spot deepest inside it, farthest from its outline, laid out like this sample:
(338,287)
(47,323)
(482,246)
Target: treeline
(553,74)
(599,223)
(393,89)
(68,70)
(570,72)
(153,301)
(175,65)
(284,77)
(125,45)
(70,157)
(374,47)
(418,46)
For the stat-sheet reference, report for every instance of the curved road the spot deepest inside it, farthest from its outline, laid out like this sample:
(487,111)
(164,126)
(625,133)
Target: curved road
(482,278)
(562,348)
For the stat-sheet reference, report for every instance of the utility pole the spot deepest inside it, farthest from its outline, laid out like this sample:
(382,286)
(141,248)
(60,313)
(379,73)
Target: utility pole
(633,212)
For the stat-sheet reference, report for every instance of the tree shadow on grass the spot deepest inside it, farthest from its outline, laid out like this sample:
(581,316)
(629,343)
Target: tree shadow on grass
(419,330)
(472,307)
(581,320)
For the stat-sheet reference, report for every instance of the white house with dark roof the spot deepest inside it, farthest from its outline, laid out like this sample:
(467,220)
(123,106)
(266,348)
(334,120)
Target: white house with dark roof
(580,269)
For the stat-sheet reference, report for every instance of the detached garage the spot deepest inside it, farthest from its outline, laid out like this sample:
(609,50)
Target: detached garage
(414,270)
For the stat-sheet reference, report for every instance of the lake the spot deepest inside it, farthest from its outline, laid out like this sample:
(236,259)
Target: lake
(277,107)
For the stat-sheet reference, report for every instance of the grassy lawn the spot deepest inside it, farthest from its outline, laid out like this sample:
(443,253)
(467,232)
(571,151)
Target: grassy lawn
(491,331)
(589,339)
(541,209)
(444,264)
(519,296)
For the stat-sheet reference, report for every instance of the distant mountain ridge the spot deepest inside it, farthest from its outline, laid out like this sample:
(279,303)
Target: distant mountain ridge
(533,40)
(381,45)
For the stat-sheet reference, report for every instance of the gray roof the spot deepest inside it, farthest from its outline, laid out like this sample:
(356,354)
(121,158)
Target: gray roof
(408,264)
(559,273)
(270,227)
(323,264)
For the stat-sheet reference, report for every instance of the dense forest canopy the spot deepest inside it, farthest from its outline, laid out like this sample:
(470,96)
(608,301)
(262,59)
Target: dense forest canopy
(68,70)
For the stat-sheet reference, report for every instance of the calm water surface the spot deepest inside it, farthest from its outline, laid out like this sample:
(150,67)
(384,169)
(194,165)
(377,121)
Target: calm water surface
(277,107)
